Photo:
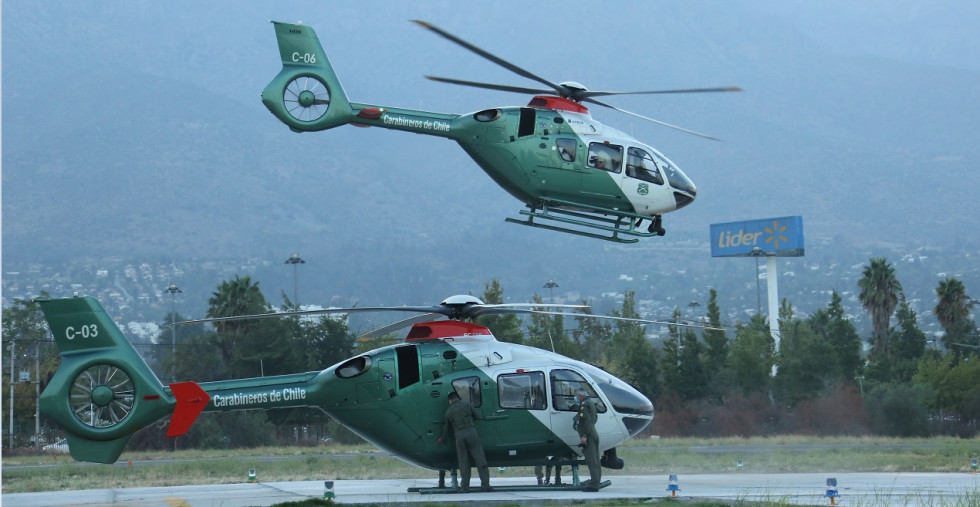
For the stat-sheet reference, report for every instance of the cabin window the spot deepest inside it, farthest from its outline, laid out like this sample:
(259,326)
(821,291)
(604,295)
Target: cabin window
(608,157)
(640,165)
(468,389)
(408,365)
(566,149)
(354,367)
(564,384)
(522,390)
(526,125)
(487,115)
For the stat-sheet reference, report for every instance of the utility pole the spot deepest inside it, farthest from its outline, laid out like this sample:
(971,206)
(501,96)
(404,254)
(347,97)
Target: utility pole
(37,395)
(13,355)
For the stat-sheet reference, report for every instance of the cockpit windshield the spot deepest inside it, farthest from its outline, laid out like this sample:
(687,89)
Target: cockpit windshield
(675,176)
(624,398)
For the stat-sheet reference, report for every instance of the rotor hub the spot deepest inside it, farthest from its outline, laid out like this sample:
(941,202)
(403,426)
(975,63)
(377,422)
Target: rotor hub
(306,98)
(102,395)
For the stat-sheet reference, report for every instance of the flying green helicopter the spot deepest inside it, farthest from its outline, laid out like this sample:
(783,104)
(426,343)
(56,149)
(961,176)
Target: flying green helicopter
(393,396)
(581,176)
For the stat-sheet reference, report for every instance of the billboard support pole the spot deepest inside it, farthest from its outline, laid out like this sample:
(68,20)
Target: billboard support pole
(772,284)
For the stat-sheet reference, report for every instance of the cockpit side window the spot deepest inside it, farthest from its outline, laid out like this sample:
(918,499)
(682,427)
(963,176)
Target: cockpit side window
(608,157)
(564,384)
(566,149)
(640,165)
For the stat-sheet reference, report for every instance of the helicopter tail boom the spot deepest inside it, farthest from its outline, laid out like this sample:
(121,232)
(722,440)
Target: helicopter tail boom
(103,391)
(306,95)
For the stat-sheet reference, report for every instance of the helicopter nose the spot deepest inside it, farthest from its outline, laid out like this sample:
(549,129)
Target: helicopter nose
(635,409)
(682,199)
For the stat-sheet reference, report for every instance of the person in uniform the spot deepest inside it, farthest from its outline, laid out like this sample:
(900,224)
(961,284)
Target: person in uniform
(589,438)
(459,420)
(543,473)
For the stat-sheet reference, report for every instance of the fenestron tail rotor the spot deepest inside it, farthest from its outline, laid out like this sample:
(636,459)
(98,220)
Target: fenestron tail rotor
(567,89)
(102,396)
(306,98)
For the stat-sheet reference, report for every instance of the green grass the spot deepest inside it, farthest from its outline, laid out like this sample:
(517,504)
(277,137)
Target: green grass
(799,454)
(643,457)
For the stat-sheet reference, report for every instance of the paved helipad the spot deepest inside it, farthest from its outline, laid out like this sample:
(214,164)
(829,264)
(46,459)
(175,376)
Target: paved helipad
(856,489)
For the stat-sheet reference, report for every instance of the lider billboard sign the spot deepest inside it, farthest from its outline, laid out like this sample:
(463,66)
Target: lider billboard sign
(779,237)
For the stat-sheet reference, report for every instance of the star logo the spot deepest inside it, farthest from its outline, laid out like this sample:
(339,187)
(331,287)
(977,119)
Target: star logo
(776,234)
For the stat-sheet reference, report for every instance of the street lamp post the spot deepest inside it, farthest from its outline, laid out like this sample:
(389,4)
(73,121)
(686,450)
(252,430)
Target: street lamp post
(550,285)
(295,259)
(173,290)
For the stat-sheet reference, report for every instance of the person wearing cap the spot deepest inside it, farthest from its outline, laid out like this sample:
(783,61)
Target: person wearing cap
(588,438)
(459,420)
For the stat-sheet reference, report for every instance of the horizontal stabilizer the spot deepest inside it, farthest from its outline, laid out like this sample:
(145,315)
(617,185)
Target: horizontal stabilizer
(191,400)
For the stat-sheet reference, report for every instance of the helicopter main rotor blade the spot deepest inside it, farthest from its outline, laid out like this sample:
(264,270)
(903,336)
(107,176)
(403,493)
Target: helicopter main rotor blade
(675,127)
(517,308)
(590,94)
(493,58)
(489,86)
(454,311)
(302,313)
(638,321)
(468,312)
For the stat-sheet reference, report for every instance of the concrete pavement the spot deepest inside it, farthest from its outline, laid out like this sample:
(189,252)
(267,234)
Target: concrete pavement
(856,489)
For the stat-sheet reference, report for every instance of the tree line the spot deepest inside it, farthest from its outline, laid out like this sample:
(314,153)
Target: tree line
(711,381)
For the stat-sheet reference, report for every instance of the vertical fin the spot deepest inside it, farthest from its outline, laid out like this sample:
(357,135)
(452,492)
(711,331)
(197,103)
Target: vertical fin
(103,391)
(307,94)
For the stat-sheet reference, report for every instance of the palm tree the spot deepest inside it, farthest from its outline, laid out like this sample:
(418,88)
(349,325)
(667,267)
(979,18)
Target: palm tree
(236,297)
(879,296)
(233,298)
(953,309)
(506,327)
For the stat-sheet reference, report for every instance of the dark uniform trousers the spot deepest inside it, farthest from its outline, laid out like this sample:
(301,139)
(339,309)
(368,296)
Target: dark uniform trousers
(459,419)
(586,420)
(468,443)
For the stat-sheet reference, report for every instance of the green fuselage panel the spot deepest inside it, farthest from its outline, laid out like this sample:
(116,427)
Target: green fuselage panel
(405,420)
(530,166)
(518,148)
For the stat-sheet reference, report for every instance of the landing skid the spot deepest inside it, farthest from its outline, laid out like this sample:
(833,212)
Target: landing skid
(575,485)
(529,487)
(615,222)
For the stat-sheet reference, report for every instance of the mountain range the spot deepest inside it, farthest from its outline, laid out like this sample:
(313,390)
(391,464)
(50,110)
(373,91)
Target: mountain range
(135,130)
